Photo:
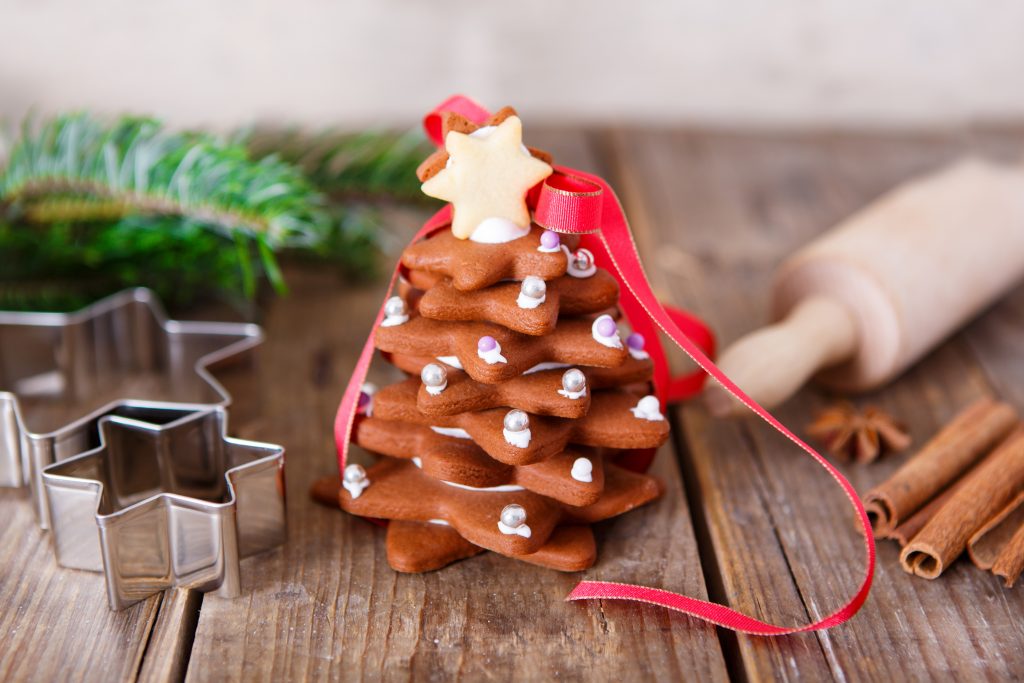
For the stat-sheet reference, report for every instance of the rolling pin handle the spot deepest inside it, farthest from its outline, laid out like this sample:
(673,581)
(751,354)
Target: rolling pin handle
(772,363)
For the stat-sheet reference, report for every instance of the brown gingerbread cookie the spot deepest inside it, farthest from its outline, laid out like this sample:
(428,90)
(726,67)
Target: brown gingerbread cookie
(634,372)
(416,547)
(616,419)
(574,476)
(531,307)
(510,522)
(491,353)
(471,265)
(447,391)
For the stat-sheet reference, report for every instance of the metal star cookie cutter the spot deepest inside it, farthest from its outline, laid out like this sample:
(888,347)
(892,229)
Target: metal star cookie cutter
(122,346)
(176,502)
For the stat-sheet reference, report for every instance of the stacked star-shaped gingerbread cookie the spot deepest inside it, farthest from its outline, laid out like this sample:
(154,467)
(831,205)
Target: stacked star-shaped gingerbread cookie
(523,387)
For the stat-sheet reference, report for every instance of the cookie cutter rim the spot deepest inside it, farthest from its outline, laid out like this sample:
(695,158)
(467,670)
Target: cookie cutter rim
(24,453)
(233,534)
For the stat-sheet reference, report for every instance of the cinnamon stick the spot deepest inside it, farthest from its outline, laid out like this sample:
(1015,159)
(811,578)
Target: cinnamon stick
(985,545)
(970,435)
(906,531)
(987,489)
(999,545)
(1010,562)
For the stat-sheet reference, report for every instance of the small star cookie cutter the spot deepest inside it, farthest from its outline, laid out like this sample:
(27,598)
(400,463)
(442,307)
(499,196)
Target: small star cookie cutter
(166,500)
(124,343)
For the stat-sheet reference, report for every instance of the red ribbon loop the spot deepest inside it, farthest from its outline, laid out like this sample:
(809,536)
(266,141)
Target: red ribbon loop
(572,201)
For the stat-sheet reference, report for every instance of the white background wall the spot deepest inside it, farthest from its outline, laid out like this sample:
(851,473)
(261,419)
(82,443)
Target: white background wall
(719,62)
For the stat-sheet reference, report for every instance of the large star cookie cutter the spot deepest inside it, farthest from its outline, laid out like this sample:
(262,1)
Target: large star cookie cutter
(166,499)
(122,346)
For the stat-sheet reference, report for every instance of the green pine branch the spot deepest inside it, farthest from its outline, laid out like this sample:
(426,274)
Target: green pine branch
(367,165)
(88,207)
(61,168)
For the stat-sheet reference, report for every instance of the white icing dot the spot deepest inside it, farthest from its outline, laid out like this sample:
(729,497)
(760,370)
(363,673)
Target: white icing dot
(493,356)
(519,439)
(524,301)
(648,408)
(521,530)
(355,488)
(613,342)
(582,470)
(452,361)
(639,354)
(498,231)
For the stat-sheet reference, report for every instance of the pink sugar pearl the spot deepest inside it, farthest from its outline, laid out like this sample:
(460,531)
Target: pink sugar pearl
(550,240)
(606,327)
(487,343)
(635,341)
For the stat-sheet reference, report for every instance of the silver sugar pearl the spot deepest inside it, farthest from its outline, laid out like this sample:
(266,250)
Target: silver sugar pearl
(355,473)
(513,516)
(433,375)
(517,421)
(395,307)
(574,380)
(534,287)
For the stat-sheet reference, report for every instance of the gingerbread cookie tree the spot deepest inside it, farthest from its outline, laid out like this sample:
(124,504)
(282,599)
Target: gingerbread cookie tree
(522,390)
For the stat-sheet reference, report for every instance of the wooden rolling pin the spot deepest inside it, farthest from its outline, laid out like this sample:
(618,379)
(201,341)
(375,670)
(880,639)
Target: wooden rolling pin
(861,303)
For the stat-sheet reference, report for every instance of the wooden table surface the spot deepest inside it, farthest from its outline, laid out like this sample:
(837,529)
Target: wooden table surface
(746,518)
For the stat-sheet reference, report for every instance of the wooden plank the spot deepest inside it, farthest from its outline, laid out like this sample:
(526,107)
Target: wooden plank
(717,211)
(170,644)
(55,622)
(328,606)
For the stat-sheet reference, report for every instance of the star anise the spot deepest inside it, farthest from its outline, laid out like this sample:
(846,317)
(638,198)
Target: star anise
(859,436)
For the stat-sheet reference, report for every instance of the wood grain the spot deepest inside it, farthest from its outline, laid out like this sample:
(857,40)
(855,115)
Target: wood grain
(752,518)
(55,622)
(780,532)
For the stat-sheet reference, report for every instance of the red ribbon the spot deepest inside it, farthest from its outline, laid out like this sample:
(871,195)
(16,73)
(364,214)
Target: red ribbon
(575,202)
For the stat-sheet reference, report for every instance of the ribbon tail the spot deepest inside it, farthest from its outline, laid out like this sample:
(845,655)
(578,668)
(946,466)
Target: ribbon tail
(621,249)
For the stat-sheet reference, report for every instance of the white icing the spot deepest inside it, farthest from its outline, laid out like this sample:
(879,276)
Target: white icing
(582,470)
(521,530)
(498,231)
(648,408)
(418,462)
(573,394)
(518,439)
(484,132)
(547,365)
(529,302)
(452,361)
(506,488)
(435,391)
(493,356)
(639,354)
(355,488)
(439,522)
(392,320)
(614,341)
(452,431)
